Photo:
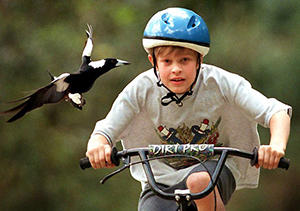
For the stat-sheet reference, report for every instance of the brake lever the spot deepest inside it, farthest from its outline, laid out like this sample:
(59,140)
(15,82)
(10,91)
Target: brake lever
(126,162)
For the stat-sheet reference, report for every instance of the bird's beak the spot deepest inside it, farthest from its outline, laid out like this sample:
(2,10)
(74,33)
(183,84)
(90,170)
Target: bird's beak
(121,63)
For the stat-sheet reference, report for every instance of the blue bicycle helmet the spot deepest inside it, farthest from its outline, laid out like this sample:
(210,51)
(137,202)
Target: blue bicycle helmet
(177,27)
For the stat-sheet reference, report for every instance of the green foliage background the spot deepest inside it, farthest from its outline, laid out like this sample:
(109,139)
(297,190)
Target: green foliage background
(39,154)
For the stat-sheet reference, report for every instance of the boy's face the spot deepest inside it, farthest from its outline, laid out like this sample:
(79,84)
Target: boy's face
(177,68)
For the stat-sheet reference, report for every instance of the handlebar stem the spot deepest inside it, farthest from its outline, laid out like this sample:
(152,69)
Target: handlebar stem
(202,194)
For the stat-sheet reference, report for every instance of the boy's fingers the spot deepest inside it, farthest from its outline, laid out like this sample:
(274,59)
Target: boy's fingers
(266,160)
(100,157)
(261,155)
(269,156)
(108,155)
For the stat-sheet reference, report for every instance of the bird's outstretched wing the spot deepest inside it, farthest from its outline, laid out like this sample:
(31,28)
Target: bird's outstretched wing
(87,51)
(52,93)
(51,76)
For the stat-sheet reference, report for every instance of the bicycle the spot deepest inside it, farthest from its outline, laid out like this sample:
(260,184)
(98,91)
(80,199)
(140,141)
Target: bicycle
(202,151)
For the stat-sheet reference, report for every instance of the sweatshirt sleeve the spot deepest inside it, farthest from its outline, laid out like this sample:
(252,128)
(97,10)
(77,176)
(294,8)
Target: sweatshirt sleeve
(123,110)
(252,103)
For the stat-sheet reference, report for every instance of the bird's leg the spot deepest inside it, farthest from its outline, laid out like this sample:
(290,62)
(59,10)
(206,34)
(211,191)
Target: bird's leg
(76,100)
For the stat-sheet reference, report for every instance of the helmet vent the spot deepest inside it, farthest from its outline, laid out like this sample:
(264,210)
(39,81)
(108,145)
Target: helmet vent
(166,18)
(194,22)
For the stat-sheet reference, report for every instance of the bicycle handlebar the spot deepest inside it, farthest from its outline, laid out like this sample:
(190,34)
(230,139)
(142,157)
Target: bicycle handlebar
(197,151)
(201,151)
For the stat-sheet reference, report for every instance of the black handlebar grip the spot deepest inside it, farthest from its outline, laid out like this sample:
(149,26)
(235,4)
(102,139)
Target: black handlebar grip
(284,163)
(114,157)
(85,163)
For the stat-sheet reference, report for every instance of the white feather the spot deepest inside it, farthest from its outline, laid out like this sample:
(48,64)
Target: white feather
(97,64)
(76,98)
(88,48)
(61,85)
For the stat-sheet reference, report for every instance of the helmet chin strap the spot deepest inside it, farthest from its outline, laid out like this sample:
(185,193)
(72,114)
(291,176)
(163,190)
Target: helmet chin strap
(171,96)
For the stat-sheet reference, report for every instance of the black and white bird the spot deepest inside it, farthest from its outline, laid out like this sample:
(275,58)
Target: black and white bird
(68,86)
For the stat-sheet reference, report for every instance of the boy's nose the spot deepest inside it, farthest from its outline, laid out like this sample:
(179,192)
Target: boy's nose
(177,70)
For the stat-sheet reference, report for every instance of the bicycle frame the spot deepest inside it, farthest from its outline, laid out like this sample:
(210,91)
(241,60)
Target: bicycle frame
(183,198)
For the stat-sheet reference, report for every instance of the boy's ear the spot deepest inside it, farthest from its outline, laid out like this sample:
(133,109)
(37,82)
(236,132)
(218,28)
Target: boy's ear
(201,59)
(150,58)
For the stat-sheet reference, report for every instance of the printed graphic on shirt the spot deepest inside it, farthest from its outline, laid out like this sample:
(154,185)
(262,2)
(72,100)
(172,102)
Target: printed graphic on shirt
(204,133)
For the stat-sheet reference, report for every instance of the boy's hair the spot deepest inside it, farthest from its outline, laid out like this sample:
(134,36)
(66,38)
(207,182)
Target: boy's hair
(169,49)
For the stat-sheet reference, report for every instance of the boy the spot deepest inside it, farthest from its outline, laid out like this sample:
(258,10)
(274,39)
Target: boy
(186,101)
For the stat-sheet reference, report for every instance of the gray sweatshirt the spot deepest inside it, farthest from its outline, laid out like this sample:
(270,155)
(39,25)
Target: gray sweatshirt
(223,110)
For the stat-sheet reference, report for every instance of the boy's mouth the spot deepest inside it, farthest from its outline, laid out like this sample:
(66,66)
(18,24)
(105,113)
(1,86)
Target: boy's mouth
(177,79)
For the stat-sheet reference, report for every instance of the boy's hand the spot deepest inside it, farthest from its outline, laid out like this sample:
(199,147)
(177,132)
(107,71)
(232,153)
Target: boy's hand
(269,156)
(99,152)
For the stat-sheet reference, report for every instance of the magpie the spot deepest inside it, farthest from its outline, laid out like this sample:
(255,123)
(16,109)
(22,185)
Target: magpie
(67,86)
